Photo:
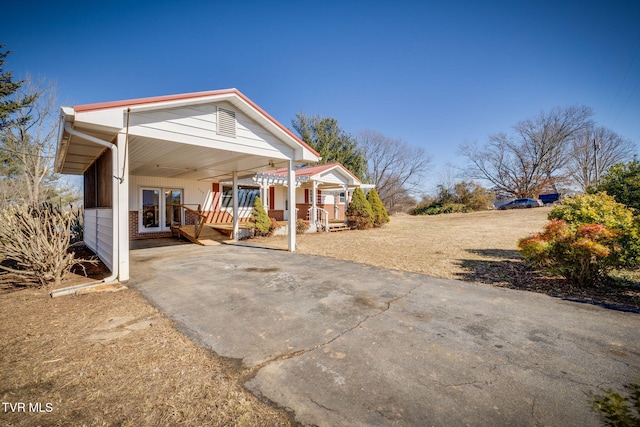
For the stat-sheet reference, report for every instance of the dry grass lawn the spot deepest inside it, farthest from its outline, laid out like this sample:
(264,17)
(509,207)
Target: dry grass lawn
(439,245)
(112,359)
(478,247)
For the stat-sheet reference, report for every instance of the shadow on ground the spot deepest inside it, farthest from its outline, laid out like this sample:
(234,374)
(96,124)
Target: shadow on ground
(505,268)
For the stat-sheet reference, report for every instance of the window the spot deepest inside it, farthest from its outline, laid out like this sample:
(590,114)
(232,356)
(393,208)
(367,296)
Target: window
(342,198)
(246,196)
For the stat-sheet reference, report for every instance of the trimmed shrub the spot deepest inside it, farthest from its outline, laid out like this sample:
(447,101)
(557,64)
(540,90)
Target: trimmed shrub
(587,237)
(380,215)
(603,209)
(302,226)
(359,213)
(582,254)
(262,222)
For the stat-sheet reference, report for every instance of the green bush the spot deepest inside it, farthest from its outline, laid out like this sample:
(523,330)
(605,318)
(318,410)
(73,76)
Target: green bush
(588,236)
(603,209)
(359,213)
(465,196)
(380,215)
(437,208)
(622,181)
(302,226)
(262,222)
(616,409)
(583,254)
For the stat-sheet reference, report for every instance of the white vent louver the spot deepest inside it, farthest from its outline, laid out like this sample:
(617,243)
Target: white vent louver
(226,122)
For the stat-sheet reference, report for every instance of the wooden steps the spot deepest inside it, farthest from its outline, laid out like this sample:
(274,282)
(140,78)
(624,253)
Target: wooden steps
(208,236)
(338,226)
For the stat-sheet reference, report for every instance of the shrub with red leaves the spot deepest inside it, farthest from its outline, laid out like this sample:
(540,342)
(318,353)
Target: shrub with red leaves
(583,254)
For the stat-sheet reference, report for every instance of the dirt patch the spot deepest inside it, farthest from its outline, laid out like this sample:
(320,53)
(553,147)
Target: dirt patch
(478,247)
(112,359)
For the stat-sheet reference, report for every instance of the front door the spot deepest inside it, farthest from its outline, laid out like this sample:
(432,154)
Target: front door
(160,209)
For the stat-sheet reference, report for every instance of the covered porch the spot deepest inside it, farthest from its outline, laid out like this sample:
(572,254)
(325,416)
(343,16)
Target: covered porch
(322,193)
(148,164)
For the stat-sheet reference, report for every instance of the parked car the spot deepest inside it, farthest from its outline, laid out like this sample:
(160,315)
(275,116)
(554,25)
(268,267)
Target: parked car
(549,198)
(522,203)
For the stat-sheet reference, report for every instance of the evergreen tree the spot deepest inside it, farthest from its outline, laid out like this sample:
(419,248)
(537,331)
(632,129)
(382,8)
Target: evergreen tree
(380,215)
(333,144)
(259,216)
(359,214)
(9,103)
(622,181)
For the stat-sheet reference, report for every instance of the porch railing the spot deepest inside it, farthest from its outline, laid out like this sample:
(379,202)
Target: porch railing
(200,218)
(322,218)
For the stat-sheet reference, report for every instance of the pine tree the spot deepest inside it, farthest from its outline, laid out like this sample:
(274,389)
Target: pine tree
(359,213)
(259,216)
(380,215)
(333,144)
(9,104)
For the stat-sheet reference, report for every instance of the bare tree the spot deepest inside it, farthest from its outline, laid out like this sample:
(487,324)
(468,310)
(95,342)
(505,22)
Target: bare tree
(597,147)
(27,147)
(533,159)
(393,166)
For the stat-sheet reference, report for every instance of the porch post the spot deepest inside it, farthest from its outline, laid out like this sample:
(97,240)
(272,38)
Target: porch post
(123,209)
(314,200)
(265,193)
(346,201)
(292,206)
(234,192)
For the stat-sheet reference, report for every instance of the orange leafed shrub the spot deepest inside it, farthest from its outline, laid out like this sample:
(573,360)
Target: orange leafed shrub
(582,254)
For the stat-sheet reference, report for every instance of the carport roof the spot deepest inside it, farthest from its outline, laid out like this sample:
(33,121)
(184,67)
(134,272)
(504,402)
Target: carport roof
(105,120)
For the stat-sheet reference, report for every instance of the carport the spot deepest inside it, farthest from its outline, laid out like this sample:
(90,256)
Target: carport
(147,163)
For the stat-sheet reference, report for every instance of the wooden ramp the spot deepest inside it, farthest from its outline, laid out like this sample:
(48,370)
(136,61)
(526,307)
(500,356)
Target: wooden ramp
(208,236)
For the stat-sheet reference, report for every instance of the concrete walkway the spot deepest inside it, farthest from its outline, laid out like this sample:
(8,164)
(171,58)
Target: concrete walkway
(343,344)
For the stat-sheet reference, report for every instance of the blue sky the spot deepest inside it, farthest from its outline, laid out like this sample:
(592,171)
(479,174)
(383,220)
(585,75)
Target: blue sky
(435,74)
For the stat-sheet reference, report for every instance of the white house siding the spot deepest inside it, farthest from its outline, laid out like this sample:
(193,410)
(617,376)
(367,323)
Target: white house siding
(332,177)
(194,192)
(98,233)
(197,125)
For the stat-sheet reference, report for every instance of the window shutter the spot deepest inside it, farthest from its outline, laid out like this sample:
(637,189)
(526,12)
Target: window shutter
(226,122)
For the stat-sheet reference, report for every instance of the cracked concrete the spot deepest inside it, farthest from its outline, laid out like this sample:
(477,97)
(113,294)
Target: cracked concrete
(340,343)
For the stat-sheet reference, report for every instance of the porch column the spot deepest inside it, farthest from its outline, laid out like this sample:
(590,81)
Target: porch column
(265,194)
(234,193)
(292,206)
(346,201)
(314,201)
(123,209)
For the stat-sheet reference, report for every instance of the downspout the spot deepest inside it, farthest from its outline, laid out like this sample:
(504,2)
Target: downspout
(113,278)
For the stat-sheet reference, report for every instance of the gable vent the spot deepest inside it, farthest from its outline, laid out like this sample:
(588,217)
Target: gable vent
(226,122)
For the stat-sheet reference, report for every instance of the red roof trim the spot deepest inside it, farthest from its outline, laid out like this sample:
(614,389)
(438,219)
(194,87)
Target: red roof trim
(186,96)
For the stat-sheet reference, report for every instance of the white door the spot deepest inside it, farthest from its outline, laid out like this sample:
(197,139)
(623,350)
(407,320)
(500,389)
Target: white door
(160,209)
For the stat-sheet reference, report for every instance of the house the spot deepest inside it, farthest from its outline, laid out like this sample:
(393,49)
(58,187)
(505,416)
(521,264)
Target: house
(321,191)
(150,164)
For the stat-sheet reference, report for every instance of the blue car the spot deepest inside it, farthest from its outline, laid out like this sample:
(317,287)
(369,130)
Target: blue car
(522,204)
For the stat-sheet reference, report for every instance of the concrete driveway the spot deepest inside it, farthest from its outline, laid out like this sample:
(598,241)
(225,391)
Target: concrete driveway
(338,343)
